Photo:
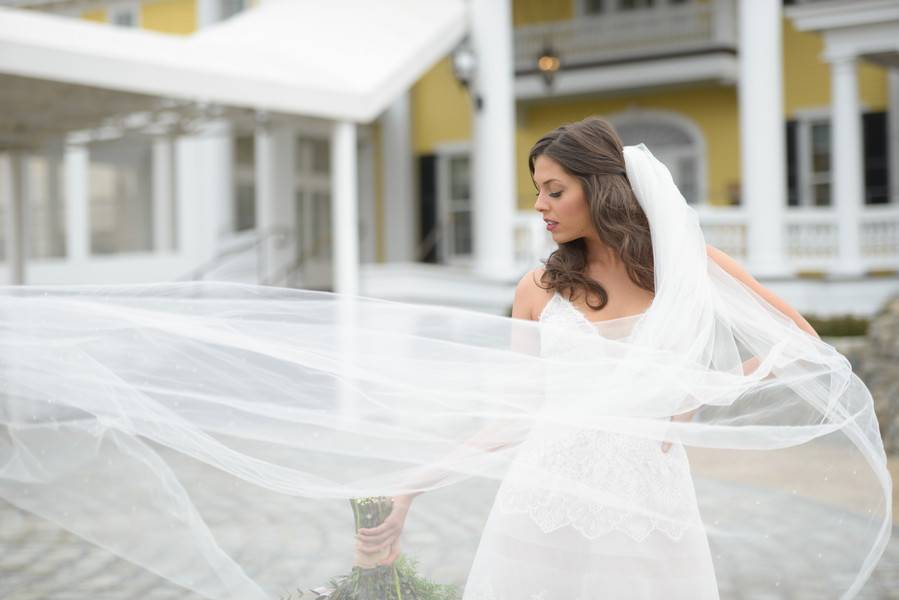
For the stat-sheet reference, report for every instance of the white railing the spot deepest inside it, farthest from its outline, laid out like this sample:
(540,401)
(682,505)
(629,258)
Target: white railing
(879,237)
(811,237)
(662,29)
(725,229)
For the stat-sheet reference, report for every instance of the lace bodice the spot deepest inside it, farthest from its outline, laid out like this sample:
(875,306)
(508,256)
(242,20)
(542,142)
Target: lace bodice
(635,470)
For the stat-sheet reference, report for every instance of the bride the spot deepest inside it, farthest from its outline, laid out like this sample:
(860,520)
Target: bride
(656,422)
(549,544)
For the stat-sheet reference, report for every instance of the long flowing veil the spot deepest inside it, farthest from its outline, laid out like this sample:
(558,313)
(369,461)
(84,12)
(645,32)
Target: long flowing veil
(165,423)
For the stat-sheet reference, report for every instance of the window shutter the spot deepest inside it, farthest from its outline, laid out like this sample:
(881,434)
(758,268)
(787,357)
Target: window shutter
(427,192)
(792,166)
(877,185)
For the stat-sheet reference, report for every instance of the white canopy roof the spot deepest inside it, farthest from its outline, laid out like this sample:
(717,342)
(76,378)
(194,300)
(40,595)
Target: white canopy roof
(341,59)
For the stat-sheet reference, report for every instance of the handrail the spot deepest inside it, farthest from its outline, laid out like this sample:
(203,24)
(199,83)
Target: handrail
(220,258)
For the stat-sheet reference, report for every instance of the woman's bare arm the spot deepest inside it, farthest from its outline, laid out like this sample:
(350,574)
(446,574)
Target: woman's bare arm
(738,272)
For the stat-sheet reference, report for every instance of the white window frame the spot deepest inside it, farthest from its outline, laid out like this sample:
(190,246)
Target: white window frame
(805,182)
(445,246)
(242,175)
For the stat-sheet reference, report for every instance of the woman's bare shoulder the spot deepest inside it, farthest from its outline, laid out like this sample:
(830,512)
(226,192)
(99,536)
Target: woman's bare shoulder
(530,296)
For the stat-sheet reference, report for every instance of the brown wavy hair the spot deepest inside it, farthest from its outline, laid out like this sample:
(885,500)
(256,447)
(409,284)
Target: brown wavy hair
(591,151)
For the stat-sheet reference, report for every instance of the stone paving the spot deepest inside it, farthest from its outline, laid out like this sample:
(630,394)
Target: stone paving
(40,561)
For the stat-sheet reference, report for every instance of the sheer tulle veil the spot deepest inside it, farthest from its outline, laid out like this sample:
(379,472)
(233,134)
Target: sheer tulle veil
(122,405)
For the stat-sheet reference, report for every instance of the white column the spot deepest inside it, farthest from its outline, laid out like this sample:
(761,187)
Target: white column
(208,12)
(12,176)
(203,191)
(846,162)
(893,138)
(493,182)
(163,195)
(344,208)
(762,136)
(400,214)
(274,201)
(76,193)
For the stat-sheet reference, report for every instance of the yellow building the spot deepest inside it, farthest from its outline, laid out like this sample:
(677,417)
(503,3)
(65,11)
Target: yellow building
(809,207)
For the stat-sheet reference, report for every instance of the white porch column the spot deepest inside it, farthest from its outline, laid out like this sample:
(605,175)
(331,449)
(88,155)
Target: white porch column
(208,12)
(400,216)
(893,136)
(344,208)
(163,195)
(76,190)
(274,200)
(846,162)
(762,136)
(493,182)
(12,175)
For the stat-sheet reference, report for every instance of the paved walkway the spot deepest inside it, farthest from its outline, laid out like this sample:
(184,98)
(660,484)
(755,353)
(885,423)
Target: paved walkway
(40,561)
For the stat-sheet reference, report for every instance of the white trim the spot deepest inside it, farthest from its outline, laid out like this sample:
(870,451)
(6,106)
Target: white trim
(639,116)
(814,16)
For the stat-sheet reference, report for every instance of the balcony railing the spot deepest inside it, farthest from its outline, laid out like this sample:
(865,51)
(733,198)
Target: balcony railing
(661,30)
(811,237)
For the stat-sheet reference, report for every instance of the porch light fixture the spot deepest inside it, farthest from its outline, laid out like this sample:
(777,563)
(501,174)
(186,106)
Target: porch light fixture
(548,64)
(464,67)
(464,63)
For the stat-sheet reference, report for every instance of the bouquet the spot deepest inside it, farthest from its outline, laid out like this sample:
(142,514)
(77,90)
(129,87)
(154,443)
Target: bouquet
(370,581)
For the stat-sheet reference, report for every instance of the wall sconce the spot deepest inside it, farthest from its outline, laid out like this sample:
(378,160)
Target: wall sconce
(464,67)
(548,64)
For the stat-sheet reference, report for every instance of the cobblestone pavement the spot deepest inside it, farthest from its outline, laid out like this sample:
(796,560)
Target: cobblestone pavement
(40,561)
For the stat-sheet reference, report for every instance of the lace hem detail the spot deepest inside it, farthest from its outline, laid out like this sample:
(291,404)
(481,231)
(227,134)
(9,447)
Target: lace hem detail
(633,470)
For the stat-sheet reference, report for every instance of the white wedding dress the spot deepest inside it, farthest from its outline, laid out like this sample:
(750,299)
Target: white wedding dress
(539,545)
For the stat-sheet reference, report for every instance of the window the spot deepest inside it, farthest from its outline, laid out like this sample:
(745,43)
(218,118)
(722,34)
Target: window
(312,188)
(460,205)
(46,206)
(454,210)
(121,196)
(809,175)
(244,182)
(819,176)
(672,141)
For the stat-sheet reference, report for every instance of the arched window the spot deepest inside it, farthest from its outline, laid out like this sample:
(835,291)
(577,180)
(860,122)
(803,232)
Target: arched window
(672,139)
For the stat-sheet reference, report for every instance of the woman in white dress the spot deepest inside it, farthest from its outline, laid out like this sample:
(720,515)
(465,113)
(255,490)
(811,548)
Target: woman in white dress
(659,423)
(550,544)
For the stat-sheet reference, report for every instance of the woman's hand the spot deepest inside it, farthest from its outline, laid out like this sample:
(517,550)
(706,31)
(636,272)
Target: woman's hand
(687,416)
(374,541)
